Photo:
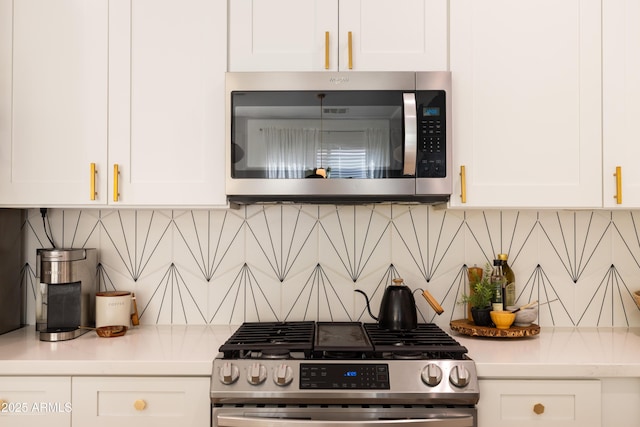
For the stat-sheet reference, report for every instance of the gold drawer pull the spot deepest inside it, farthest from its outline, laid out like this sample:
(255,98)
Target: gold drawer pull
(350,42)
(140,405)
(618,176)
(116,176)
(463,184)
(326,50)
(538,408)
(92,180)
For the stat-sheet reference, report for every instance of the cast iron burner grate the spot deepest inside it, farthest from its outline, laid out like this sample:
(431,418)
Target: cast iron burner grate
(339,340)
(270,338)
(428,340)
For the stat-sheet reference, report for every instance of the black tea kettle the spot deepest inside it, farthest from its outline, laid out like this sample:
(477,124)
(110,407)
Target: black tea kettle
(398,308)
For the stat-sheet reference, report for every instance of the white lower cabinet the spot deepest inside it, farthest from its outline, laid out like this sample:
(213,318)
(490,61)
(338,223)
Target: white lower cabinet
(548,403)
(141,401)
(35,401)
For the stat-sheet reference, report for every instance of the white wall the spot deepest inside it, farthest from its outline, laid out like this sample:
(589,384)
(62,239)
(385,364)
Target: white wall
(302,262)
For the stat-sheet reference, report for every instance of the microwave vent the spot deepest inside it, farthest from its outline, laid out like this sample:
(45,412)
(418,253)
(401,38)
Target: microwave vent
(335,110)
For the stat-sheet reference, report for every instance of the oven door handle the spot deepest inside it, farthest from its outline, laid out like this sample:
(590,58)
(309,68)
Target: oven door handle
(410,133)
(239,421)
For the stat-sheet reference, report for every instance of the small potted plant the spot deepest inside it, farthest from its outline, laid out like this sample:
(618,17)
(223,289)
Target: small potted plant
(480,299)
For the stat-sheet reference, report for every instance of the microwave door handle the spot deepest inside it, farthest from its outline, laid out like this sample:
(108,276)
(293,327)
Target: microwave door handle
(244,421)
(410,134)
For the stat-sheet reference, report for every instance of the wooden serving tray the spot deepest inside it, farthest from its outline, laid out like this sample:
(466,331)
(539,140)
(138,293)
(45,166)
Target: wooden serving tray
(467,327)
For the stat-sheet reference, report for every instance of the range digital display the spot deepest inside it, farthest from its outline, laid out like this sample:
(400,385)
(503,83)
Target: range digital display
(354,376)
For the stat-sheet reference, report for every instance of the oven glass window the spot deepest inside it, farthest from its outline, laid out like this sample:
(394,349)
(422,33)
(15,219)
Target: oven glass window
(305,134)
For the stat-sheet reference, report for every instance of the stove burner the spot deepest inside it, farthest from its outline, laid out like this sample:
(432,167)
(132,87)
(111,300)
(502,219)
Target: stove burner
(428,341)
(274,353)
(341,355)
(407,355)
(270,337)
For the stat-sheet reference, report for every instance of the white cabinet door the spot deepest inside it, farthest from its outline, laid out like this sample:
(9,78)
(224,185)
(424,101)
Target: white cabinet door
(527,102)
(313,35)
(410,35)
(35,401)
(53,107)
(141,402)
(548,403)
(167,60)
(283,35)
(621,91)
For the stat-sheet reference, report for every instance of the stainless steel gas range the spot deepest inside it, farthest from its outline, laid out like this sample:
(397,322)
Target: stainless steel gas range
(342,374)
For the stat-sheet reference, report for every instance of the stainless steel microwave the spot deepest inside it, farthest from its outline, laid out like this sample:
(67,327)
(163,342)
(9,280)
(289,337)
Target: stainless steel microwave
(352,137)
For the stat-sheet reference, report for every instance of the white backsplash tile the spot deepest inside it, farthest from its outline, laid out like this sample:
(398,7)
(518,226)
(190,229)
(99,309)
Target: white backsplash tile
(303,262)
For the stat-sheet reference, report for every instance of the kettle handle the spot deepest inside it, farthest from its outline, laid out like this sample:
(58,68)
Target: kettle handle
(368,306)
(432,301)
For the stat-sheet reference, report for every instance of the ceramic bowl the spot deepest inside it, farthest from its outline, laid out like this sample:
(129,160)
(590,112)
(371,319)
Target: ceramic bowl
(526,316)
(502,319)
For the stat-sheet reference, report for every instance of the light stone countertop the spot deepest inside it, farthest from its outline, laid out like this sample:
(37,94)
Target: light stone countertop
(558,353)
(190,350)
(143,350)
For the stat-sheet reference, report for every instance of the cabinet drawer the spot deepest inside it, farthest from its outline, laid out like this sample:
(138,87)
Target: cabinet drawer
(141,401)
(552,403)
(33,400)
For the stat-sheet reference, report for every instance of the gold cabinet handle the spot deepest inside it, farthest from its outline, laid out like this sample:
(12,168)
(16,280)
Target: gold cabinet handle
(538,408)
(618,176)
(350,50)
(116,175)
(92,180)
(326,50)
(463,184)
(140,405)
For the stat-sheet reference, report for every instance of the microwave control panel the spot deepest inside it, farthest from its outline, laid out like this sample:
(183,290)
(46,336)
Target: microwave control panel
(431,157)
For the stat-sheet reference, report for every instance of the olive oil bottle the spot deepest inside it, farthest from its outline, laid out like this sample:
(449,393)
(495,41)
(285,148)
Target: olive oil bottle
(509,291)
(498,281)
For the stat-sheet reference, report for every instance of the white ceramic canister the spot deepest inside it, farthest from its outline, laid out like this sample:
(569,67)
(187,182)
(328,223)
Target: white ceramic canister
(113,308)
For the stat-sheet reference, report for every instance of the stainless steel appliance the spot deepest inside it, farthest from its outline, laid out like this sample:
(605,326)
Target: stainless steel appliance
(342,374)
(371,136)
(12,292)
(67,292)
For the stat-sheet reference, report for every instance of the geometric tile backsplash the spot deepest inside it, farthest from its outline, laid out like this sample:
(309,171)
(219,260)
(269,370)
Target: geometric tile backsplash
(303,262)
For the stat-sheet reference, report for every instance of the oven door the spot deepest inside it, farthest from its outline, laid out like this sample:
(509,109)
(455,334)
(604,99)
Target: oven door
(344,416)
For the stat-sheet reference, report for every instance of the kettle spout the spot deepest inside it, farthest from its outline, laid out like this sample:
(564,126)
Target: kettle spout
(368,306)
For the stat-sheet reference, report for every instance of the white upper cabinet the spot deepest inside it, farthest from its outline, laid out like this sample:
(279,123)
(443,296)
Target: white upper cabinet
(283,35)
(315,35)
(53,107)
(137,85)
(167,60)
(621,91)
(409,35)
(527,103)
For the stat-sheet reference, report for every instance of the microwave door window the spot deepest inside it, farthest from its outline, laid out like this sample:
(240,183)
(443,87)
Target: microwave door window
(303,134)
(289,151)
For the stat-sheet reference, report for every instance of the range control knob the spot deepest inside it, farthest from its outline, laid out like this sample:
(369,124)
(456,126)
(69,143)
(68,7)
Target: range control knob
(228,373)
(282,375)
(256,374)
(432,375)
(459,376)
